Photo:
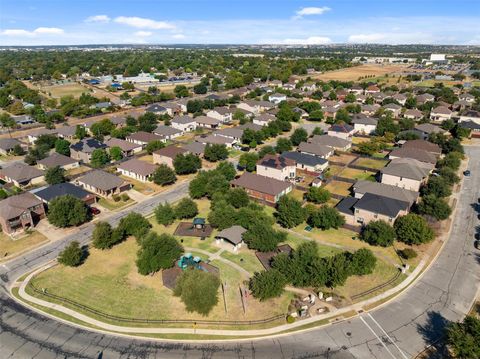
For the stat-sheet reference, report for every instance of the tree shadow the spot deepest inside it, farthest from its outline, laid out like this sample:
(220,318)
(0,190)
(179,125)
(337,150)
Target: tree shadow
(434,329)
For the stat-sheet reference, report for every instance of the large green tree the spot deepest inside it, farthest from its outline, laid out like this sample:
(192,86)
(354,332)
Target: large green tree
(158,252)
(72,255)
(290,212)
(267,284)
(67,211)
(55,175)
(413,229)
(378,233)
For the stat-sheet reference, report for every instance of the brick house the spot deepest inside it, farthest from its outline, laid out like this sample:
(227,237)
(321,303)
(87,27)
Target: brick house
(266,189)
(20,212)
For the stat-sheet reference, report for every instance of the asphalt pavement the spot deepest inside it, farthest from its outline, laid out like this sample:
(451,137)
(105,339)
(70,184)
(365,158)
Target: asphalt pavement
(400,329)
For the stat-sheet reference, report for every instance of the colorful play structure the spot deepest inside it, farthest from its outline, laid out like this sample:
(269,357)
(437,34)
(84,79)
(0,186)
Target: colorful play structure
(188,260)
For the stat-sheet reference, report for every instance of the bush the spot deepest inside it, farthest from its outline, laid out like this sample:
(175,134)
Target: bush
(164,175)
(125,197)
(325,218)
(290,212)
(317,195)
(186,208)
(378,233)
(407,253)
(72,255)
(158,252)
(413,229)
(290,319)
(198,290)
(116,198)
(134,224)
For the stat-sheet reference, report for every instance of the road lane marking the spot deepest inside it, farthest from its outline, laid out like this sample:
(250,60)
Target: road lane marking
(389,338)
(379,339)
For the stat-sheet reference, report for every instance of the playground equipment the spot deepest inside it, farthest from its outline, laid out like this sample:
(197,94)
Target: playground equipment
(188,260)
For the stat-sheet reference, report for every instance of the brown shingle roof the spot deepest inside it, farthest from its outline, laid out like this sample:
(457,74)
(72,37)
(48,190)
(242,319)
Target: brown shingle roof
(423,145)
(102,180)
(14,206)
(21,172)
(415,153)
(137,166)
(56,159)
(275,161)
(261,184)
(171,151)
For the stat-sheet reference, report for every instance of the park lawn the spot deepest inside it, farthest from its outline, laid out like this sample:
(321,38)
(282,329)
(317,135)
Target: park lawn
(58,91)
(245,258)
(382,273)
(108,281)
(339,187)
(9,246)
(371,163)
(355,174)
(323,250)
(111,205)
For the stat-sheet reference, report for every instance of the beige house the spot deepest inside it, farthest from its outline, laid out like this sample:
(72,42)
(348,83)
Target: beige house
(22,175)
(167,155)
(278,167)
(103,183)
(184,123)
(342,131)
(128,148)
(440,114)
(406,173)
(56,159)
(137,169)
(82,150)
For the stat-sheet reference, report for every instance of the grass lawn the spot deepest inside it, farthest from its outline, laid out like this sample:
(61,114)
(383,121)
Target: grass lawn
(78,170)
(232,153)
(297,194)
(245,258)
(9,246)
(357,174)
(380,155)
(111,205)
(58,91)
(108,281)
(371,163)
(333,170)
(323,250)
(338,187)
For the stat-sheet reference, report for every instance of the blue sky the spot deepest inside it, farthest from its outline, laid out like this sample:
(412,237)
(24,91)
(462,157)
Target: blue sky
(62,22)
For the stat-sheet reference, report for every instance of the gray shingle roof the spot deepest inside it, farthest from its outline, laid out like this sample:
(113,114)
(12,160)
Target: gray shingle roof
(304,158)
(385,190)
(382,205)
(102,180)
(14,206)
(233,234)
(21,172)
(56,159)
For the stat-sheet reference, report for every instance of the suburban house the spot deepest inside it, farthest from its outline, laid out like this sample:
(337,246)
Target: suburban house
(361,187)
(371,207)
(308,163)
(400,98)
(8,144)
(369,110)
(424,130)
(207,122)
(276,98)
(103,183)
(61,189)
(364,124)
(233,235)
(156,109)
(19,212)
(217,140)
(255,106)
(343,131)
(424,98)
(223,114)
(466,97)
(167,132)
(470,115)
(264,119)
(262,188)
(406,173)
(173,109)
(235,133)
(66,132)
(21,174)
(315,149)
(424,146)
(413,114)
(372,89)
(167,155)
(184,123)
(142,138)
(137,169)
(331,141)
(83,149)
(276,166)
(57,159)
(413,153)
(128,148)
(395,109)
(440,114)
(196,148)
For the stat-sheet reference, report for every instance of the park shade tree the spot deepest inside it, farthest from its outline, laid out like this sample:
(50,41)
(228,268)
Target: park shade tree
(462,338)
(153,146)
(157,252)
(436,186)
(362,262)
(67,211)
(71,255)
(378,233)
(317,195)
(413,229)
(325,218)
(165,214)
(102,235)
(116,153)
(55,175)
(431,205)
(99,158)
(186,208)
(134,224)
(198,290)
(290,212)
(227,169)
(248,161)
(222,215)
(163,175)
(283,145)
(262,237)
(267,284)
(237,197)
(186,164)
(298,136)
(62,147)
(200,89)
(215,152)
(217,183)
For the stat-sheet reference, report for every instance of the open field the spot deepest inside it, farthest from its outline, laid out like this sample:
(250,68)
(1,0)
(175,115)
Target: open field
(9,246)
(59,91)
(355,72)
(338,187)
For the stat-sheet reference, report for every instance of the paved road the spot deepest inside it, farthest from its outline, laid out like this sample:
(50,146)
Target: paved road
(398,330)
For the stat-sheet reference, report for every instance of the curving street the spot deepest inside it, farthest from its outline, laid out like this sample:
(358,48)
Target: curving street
(398,330)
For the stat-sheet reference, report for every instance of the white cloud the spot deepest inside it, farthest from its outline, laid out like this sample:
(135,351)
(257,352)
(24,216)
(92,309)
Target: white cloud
(366,38)
(143,33)
(142,23)
(98,18)
(312,40)
(308,11)
(396,38)
(37,31)
(178,36)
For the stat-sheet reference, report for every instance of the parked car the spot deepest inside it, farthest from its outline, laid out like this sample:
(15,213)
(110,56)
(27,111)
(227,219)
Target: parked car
(95,211)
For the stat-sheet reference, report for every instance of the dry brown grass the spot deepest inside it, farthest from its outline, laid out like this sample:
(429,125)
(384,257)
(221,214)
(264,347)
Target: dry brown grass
(10,247)
(354,73)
